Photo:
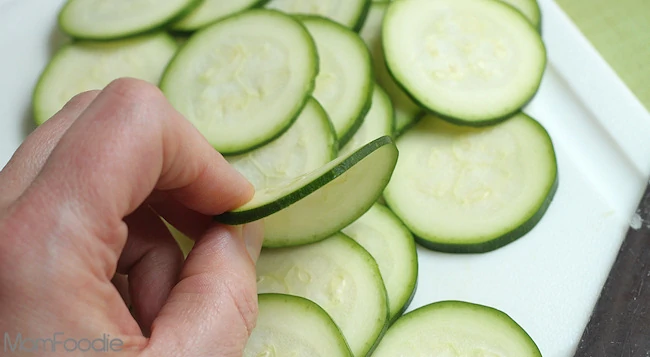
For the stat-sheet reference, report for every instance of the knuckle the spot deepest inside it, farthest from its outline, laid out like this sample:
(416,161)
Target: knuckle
(244,299)
(134,90)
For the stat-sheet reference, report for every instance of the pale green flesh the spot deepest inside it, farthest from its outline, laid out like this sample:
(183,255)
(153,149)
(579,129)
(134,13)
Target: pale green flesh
(210,11)
(333,206)
(463,185)
(377,123)
(337,274)
(83,66)
(528,8)
(344,82)
(290,326)
(244,80)
(100,19)
(473,61)
(406,111)
(345,12)
(384,236)
(455,329)
(307,145)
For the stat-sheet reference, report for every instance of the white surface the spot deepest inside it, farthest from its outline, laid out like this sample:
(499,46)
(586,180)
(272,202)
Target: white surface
(549,280)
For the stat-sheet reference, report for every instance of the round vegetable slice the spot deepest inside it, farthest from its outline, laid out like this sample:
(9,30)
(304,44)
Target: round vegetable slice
(314,206)
(456,328)
(475,62)
(309,144)
(293,326)
(344,83)
(337,274)
(210,11)
(244,80)
(406,111)
(85,65)
(106,20)
(377,123)
(472,190)
(386,238)
(349,13)
(529,8)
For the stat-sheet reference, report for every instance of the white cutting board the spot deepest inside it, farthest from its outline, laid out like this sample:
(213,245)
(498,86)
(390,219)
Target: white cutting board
(549,280)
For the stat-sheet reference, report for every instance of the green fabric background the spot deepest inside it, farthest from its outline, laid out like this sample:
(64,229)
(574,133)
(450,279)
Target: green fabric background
(620,31)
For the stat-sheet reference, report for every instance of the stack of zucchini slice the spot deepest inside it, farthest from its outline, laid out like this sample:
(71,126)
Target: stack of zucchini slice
(330,107)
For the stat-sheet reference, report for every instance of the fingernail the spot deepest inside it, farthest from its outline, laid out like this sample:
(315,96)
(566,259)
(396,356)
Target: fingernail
(253,237)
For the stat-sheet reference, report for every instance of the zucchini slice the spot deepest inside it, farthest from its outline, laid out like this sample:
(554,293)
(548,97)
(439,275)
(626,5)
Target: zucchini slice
(386,238)
(406,111)
(472,190)
(293,326)
(378,122)
(210,11)
(87,65)
(309,144)
(107,20)
(474,62)
(243,81)
(456,328)
(314,206)
(344,83)
(530,9)
(337,274)
(349,13)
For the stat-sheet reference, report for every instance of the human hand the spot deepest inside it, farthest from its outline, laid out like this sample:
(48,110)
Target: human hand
(80,200)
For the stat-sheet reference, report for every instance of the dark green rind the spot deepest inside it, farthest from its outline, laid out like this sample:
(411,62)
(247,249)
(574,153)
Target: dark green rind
(307,305)
(384,328)
(494,243)
(406,128)
(467,305)
(300,106)
(334,145)
(362,17)
(257,213)
(160,26)
(414,283)
(356,123)
(449,117)
(182,30)
(439,244)
(38,119)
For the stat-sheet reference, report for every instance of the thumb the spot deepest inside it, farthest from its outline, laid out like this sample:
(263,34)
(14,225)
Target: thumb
(213,309)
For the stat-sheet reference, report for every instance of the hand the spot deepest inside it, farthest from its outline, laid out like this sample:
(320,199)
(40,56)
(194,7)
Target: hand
(80,201)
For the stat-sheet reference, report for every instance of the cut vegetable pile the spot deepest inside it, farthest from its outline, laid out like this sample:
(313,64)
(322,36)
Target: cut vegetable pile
(328,107)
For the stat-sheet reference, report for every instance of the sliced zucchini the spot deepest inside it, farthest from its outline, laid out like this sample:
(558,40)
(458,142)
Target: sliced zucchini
(472,190)
(243,81)
(530,9)
(83,66)
(314,206)
(378,122)
(106,20)
(210,11)
(406,111)
(293,326)
(349,13)
(455,328)
(386,238)
(474,62)
(344,83)
(309,144)
(337,274)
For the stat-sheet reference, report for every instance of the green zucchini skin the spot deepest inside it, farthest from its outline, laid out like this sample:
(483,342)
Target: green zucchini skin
(257,213)
(499,242)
